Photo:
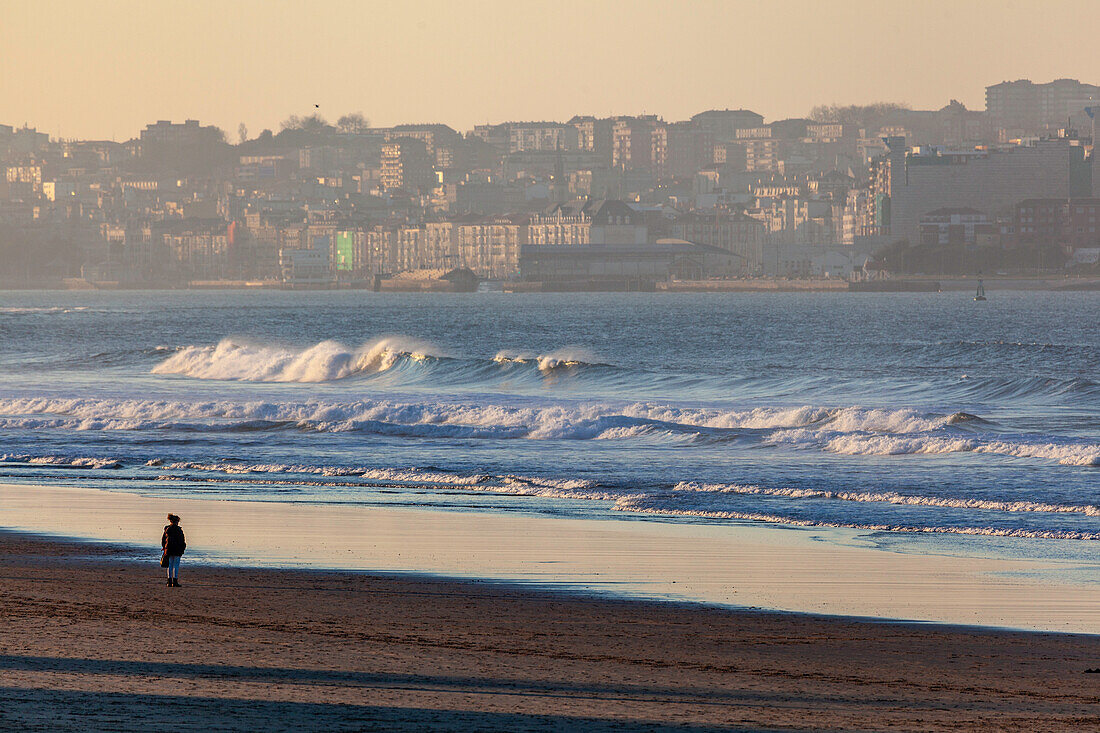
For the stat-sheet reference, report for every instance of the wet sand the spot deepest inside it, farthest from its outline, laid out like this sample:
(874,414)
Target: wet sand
(815,571)
(93,640)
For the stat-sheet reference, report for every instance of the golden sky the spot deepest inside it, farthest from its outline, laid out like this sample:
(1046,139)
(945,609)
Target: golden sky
(105,69)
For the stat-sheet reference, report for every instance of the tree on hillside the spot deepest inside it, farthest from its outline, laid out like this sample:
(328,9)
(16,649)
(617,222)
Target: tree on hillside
(354,122)
(316,124)
(866,115)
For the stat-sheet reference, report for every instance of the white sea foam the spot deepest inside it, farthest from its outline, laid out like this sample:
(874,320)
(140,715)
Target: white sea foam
(380,474)
(893,498)
(846,431)
(547,420)
(569,356)
(1066,454)
(861,444)
(27,310)
(240,360)
(322,362)
(645,504)
(70,461)
(571,488)
(676,501)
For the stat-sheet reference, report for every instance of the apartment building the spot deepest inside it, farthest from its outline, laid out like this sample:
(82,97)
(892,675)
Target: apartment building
(1035,108)
(641,143)
(596,136)
(541,137)
(406,165)
(723,124)
(1072,223)
(490,246)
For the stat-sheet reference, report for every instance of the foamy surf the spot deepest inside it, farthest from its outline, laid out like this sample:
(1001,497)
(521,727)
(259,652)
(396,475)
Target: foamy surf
(891,497)
(707,501)
(854,431)
(637,506)
(63,461)
(1069,453)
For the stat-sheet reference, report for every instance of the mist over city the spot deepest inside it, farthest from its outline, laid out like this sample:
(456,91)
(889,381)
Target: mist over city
(728,198)
(585,366)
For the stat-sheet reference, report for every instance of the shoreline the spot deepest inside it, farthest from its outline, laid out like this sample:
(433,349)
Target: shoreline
(902,284)
(139,557)
(88,634)
(832,573)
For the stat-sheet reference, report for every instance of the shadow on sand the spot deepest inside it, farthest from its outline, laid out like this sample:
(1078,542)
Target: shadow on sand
(36,708)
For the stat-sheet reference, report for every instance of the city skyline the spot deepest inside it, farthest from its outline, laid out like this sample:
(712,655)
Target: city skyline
(589,365)
(246,64)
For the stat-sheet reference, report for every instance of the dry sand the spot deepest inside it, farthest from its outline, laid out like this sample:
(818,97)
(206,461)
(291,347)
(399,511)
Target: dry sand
(92,640)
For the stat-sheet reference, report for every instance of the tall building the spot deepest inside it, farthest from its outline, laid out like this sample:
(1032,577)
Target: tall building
(1032,108)
(541,137)
(723,124)
(595,135)
(490,245)
(689,149)
(641,143)
(185,147)
(406,165)
(763,154)
(432,135)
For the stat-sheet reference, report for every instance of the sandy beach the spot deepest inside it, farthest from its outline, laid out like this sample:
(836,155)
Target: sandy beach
(94,641)
(803,570)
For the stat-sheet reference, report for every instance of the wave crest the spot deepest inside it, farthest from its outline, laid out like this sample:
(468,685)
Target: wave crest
(841,430)
(569,356)
(322,362)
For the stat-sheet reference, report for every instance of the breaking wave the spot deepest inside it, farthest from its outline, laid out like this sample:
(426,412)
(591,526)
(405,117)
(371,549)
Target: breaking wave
(330,361)
(553,420)
(841,430)
(322,362)
(570,356)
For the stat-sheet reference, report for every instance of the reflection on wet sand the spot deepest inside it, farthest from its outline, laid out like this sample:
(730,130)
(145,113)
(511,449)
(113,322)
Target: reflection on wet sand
(742,565)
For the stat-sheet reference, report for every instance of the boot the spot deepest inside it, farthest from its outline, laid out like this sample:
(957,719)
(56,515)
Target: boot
(169,583)
(175,583)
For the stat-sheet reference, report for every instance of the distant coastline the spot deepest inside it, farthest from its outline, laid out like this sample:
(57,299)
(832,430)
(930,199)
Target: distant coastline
(757,285)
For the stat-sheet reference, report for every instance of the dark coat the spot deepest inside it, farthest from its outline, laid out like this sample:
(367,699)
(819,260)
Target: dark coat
(172,541)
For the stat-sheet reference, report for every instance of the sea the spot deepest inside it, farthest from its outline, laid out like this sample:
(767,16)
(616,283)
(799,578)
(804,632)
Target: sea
(924,422)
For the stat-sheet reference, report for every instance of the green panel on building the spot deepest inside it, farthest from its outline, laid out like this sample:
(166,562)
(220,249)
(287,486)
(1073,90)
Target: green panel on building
(882,210)
(345,250)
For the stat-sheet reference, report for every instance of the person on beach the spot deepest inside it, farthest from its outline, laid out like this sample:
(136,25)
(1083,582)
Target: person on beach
(173,544)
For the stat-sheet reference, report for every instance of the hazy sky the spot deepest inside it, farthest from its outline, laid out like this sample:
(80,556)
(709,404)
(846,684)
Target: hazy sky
(105,69)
